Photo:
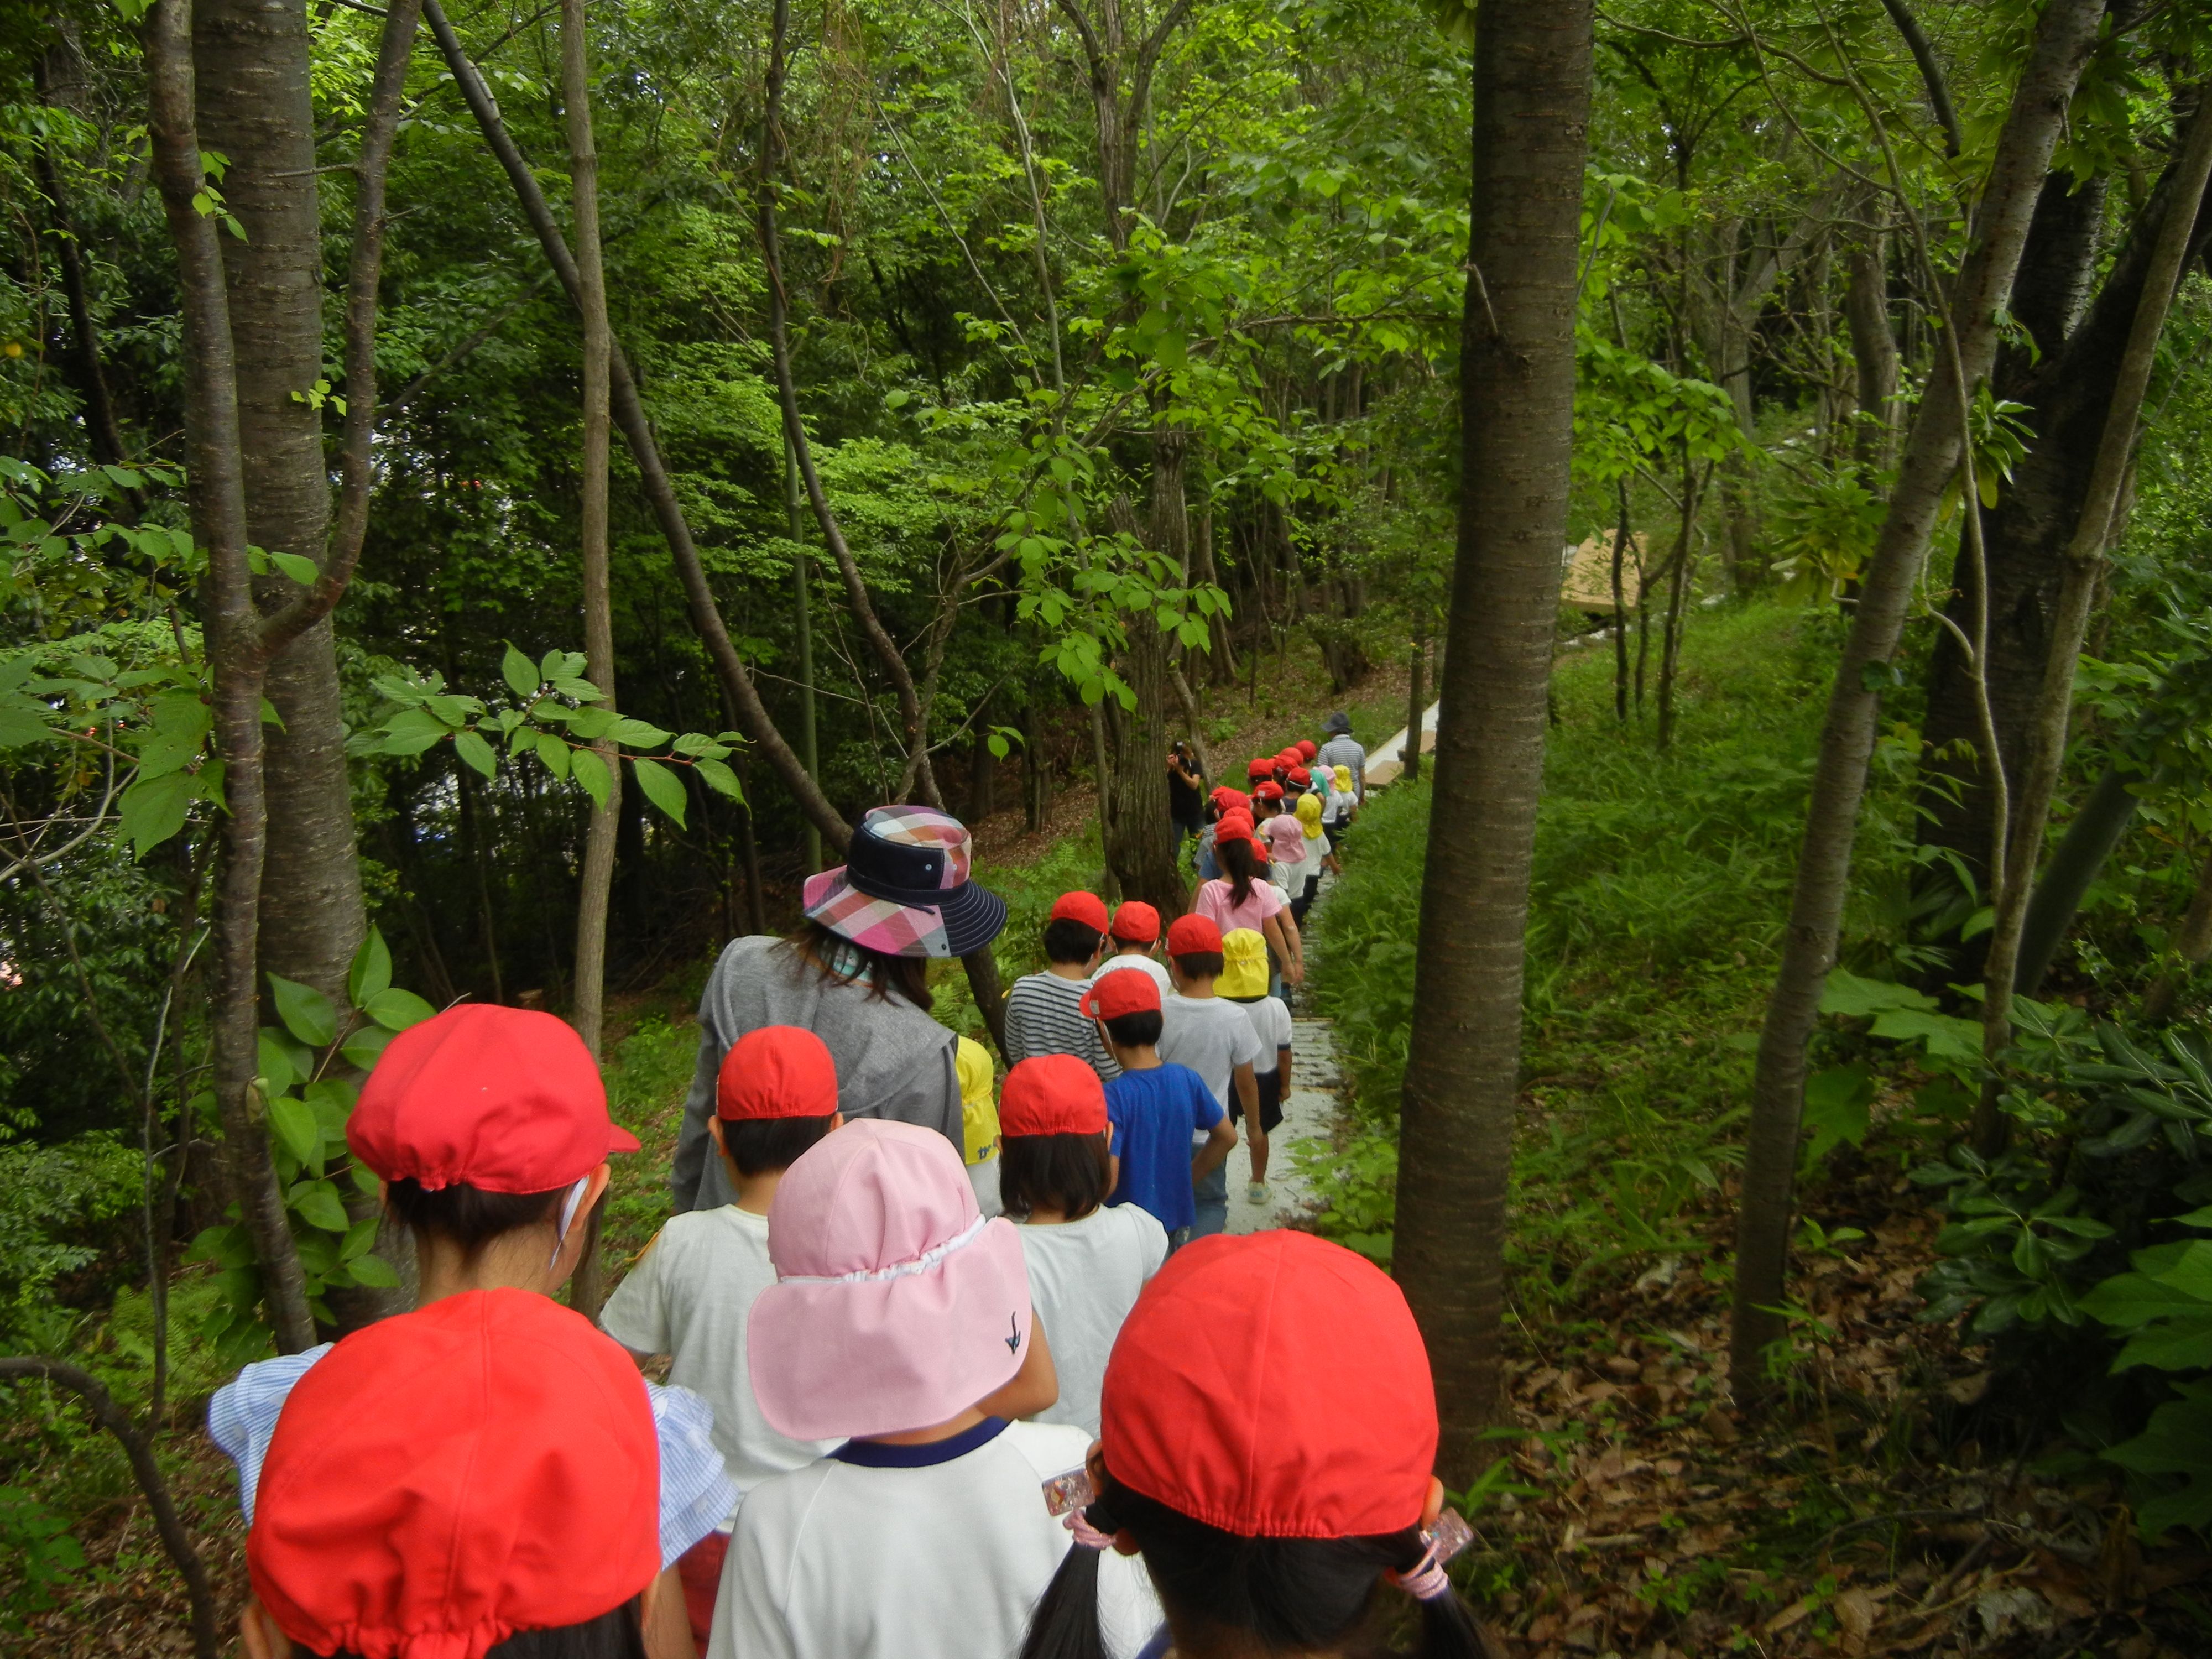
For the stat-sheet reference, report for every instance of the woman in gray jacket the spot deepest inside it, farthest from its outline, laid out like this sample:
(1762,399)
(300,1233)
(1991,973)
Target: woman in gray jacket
(856,974)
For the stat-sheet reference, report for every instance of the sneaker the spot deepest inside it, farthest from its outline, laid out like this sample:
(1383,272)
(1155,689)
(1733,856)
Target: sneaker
(1256,1192)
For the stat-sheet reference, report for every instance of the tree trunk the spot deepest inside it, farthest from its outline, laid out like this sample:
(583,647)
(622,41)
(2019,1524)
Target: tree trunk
(2084,564)
(104,433)
(1874,353)
(1532,91)
(2065,37)
(217,501)
(1141,850)
(1620,611)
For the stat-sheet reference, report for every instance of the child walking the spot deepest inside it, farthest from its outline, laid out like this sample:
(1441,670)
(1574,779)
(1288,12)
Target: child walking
(979,1123)
(488,1464)
(1159,1113)
(1042,1017)
(1214,1039)
(1086,1262)
(691,1292)
(1243,982)
(1269,1429)
(900,1319)
(1135,935)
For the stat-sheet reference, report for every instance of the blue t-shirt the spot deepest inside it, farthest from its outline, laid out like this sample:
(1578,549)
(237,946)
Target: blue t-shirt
(1154,1116)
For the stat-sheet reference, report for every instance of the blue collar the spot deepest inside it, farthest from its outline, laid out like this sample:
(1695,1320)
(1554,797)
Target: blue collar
(877,1455)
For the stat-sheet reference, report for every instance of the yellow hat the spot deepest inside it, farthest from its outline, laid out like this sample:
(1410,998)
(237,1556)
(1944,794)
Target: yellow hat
(1243,964)
(978,1113)
(1344,777)
(1309,816)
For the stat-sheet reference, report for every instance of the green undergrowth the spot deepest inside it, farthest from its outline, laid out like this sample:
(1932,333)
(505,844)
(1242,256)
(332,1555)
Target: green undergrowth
(1660,885)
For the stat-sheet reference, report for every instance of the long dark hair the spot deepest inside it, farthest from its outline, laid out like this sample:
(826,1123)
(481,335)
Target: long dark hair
(838,958)
(615,1634)
(1285,1595)
(1235,856)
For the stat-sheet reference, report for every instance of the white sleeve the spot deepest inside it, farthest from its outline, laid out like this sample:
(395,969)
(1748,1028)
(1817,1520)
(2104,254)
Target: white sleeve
(1245,1050)
(242,1416)
(1151,1237)
(696,1493)
(1282,1017)
(636,1315)
(749,1619)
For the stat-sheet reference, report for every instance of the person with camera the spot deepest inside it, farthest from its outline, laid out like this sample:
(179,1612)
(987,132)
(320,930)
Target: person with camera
(1185,794)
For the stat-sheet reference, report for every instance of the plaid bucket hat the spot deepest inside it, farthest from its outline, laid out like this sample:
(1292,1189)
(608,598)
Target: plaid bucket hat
(904,888)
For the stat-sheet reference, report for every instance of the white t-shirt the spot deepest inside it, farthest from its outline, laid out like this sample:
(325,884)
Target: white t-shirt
(1212,1036)
(1114,964)
(936,1551)
(689,1296)
(1084,1279)
(1271,1024)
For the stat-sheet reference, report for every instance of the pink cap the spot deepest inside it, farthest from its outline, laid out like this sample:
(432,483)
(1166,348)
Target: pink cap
(897,1305)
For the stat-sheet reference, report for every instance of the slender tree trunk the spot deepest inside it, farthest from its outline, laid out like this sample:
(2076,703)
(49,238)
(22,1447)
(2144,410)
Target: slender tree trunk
(590,997)
(802,617)
(217,499)
(1679,571)
(101,426)
(1621,613)
(1873,352)
(1532,91)
(2064,38)
(1142,849)
(2085,560)
(1102,764)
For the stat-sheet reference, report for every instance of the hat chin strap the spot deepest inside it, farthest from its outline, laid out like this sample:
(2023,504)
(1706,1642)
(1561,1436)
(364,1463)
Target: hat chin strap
(568,1207)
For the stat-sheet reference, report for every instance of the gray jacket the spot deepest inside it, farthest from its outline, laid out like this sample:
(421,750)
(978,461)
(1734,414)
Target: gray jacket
(893,1059)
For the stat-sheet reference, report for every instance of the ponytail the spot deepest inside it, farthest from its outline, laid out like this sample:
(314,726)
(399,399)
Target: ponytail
(1236,857)
(1285,1595)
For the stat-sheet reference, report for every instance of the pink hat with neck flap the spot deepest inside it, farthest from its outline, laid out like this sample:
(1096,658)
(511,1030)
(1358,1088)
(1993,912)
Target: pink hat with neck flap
(897,1305)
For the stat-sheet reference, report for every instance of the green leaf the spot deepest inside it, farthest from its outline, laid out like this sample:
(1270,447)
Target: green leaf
(154,808)
(554,753)
(316,1203)
(411,732)
(1947,1036)
(471,748)
(661,787)
(2129,1301)
(1848,995)
(300,569)
(591,772)
(637,734)
(22,720)
(306,1012)
(521,674)
(396,1010)
(359,1238)
(373,1270)
(276,1064)
(294,1121)
(372,968)
(720,779)
(364,1047)
(1836,1105)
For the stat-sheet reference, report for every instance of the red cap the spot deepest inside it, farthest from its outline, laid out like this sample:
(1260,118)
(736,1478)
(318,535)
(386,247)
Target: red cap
(1136,922)
(441,1479)
(1057,1094)
(777,1071)
(1260,769)
(1269,792)
(1343,1444)
(1112,995)
(1289,755)
(1190,936)
(1300,776)
(1233,826)
(1086,908)
(1307,748)
(505,1099)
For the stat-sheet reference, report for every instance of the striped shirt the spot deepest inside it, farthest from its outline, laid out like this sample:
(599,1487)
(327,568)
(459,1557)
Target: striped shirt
(697,1495)
(1043,1018)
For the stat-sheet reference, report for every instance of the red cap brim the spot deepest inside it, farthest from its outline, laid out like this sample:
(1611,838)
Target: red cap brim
(620,1140)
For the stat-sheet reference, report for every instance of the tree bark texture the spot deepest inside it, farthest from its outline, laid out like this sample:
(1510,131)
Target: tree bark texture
(1142,849)
(1417,705)
(217,502)
(256,108)
(629,414)
(1932,456)
(1873,352)
(1532,91)
(2083,563)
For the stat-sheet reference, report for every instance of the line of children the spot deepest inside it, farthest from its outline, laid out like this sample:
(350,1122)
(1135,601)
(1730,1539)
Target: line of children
(1043,1015)
(1087,1260)
(1159,1112)
(901,1324)
(1213,1039)
(1268,1429)
(487,1463)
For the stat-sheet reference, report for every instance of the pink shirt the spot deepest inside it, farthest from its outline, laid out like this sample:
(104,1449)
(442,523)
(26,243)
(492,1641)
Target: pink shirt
(1287,837)
(1213,903)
